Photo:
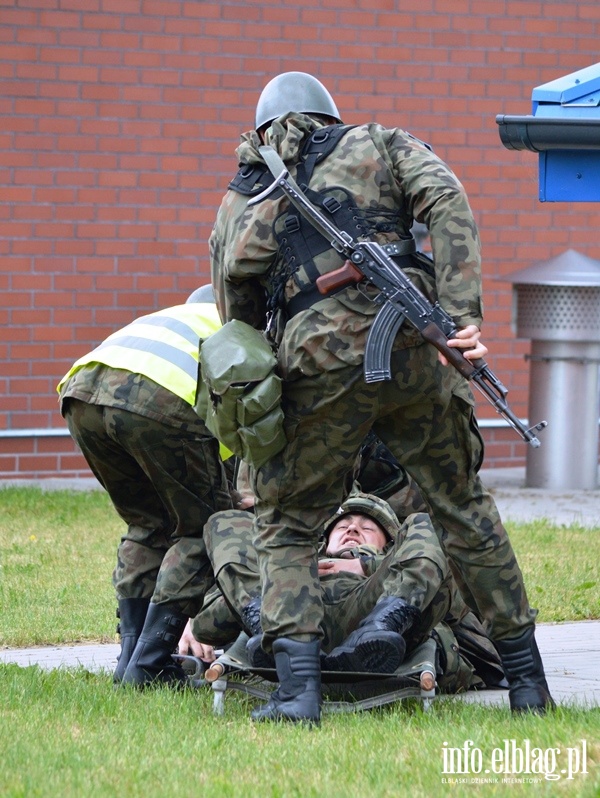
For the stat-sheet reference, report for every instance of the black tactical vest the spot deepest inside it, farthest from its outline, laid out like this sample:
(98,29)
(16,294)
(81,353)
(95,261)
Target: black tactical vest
(299,242)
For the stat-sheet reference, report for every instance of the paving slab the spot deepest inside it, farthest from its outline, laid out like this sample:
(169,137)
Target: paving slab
(570,652)
(95,657)
(521,504)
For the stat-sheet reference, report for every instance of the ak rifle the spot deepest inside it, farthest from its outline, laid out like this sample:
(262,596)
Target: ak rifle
(400,300)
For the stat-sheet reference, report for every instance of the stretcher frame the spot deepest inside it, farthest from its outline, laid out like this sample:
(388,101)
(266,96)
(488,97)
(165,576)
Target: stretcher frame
(414,679)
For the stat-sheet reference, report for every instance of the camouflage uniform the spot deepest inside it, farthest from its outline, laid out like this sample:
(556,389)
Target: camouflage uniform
(424,414)
(414,568)
(162,470)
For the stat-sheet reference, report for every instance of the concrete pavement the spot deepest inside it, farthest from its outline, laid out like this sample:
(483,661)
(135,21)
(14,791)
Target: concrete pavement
(521,504)
(515,502)
(570,652)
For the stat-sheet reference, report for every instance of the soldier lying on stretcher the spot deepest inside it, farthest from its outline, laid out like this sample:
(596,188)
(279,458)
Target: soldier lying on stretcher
(385,587)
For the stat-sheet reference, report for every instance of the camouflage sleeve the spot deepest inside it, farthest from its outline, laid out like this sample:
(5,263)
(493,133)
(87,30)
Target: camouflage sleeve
(419,566)
(238,289)
(370,563)
(435,197)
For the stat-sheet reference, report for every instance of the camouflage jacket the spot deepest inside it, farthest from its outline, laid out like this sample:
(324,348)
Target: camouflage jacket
(98,384)
(393,179)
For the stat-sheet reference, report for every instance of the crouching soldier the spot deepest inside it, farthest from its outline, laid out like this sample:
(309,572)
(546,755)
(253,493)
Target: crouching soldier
(129,405)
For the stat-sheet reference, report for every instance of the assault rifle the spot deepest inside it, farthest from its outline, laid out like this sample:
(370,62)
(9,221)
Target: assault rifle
(400,299)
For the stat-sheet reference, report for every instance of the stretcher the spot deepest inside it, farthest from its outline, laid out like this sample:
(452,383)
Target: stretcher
(342,691)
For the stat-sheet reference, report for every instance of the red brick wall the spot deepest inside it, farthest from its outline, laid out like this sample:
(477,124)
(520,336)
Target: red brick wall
(120,120)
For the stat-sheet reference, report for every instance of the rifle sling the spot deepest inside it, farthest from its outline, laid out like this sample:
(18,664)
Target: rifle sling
(401,250)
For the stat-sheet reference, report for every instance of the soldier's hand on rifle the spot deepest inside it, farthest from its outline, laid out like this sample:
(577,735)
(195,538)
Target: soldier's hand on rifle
(467,339)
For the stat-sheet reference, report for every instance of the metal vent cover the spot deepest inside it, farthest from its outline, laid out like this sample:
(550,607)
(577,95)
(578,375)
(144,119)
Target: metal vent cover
(558,313)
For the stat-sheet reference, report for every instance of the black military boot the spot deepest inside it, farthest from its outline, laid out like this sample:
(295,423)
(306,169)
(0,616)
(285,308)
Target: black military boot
(131,614)
(528,690)
(257,656)
(151,661)
(298,697)
(377,644)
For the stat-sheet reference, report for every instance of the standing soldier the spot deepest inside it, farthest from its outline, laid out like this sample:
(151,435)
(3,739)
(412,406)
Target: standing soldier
(129,405)
(265,259)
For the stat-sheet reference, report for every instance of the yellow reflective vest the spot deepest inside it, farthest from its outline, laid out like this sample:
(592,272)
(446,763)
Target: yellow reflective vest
(163,346)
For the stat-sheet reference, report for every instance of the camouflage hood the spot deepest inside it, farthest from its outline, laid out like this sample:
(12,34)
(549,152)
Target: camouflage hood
(286,135)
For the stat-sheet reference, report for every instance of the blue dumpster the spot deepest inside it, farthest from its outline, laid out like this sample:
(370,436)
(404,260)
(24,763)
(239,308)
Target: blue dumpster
(564,129)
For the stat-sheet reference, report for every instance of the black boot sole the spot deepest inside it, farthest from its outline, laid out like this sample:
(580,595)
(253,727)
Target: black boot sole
(276,711)
(372,656)
(171,675)
(535,700)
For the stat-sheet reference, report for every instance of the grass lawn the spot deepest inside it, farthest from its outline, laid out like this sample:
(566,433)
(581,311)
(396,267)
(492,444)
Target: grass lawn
(70,733)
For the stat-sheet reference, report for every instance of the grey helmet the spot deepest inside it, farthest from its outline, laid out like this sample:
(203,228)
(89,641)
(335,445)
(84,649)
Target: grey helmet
(294,91)
(203,294)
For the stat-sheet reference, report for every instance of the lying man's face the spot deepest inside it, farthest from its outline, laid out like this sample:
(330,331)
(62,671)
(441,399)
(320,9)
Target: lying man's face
(355,530)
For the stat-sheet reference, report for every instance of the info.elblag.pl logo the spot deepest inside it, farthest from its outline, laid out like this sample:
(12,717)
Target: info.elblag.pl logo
(513,760)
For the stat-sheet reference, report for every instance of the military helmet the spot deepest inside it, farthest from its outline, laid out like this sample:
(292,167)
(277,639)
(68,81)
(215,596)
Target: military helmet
(367,504)
(294,91)
(203,294)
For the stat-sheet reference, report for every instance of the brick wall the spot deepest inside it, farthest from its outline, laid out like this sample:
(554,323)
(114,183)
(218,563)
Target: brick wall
(120,120)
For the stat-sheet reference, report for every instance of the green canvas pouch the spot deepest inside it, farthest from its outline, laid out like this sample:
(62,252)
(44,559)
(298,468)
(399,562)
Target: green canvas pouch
(239,394)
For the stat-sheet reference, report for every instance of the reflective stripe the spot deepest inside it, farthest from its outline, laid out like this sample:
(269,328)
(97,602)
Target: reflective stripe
(179,327)
(224,452)
(176,357)
(162,346)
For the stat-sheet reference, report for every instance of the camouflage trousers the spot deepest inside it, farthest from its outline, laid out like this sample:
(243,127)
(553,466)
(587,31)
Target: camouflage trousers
(415,569)
(164,481)
(466,658)
(424,415)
